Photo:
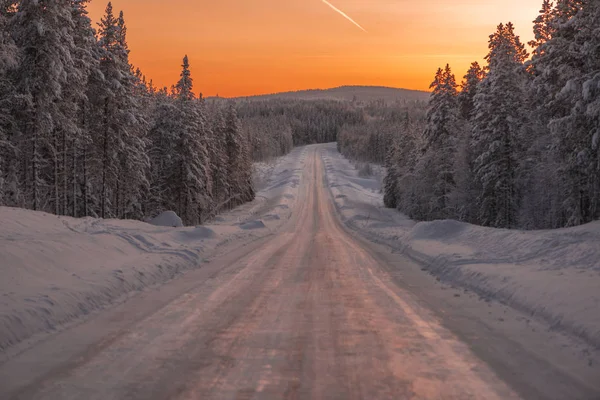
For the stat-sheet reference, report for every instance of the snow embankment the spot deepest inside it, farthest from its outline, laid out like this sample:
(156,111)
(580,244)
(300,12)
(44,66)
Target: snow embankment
(54,270)
(553,275)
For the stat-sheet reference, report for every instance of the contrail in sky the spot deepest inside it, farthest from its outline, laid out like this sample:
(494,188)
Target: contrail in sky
(343,14)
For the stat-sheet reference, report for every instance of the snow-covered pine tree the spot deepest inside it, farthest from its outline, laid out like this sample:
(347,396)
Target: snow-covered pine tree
(543,192)
(206,203)
(248,193)
(43,30)
(410,189)
(192,168)
(162,153)
(240,165)
(390,181)
(552,62)
(77,135)
(538,195)
(467,187)
(469,89)
(498,129)
(108,138)
(9,188)
(549,201)
(134,163)
(577,131)
(121,143)
(542,28)
(219,160)
(441,136)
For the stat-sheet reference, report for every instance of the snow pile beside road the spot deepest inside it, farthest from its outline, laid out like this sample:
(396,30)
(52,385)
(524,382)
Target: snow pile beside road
(167,218)
(54,270)
(553,275)
(278,183)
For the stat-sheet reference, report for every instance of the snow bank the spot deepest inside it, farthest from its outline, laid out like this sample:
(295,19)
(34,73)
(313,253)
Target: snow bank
(257,224)
(553,275)
(54,270)
(167,218)
(278,183)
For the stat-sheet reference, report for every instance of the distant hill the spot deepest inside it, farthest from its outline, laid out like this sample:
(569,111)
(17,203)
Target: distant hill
(348,93)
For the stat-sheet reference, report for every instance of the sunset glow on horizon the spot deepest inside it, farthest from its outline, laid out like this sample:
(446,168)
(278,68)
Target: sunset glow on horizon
(246,47)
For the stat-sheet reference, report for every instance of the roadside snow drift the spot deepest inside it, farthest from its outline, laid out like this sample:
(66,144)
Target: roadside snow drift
(553,275)
(54,270)
(167,218)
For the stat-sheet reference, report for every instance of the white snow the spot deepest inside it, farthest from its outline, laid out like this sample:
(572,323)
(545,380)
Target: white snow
(553,275)
(167,218)
(55,270)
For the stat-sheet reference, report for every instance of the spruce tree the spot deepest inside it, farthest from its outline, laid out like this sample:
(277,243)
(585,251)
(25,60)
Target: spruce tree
(577,131)
(469,89)
(162,152)
(77,139)
(191,171)
(43,30)
(9,188)
(498,128)
(390,181)
(122,141)
(240,166)
(219,160)
(441,135)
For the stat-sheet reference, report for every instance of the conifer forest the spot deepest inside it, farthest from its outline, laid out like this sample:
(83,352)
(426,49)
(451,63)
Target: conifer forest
(84,133)
(515,145)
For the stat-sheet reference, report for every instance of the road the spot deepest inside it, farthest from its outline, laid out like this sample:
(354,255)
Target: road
(307,313)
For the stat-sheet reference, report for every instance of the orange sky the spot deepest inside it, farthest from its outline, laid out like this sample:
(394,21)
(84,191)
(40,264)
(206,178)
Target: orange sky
(244,47)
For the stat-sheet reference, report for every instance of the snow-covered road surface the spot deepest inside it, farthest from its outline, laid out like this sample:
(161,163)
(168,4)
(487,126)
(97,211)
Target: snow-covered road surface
(311,312)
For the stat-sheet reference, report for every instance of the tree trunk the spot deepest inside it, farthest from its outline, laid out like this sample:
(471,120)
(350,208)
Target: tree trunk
(34,170)
(86,211)
(74,173)
(34,161)
(104,161)
(56,175)
(65,175)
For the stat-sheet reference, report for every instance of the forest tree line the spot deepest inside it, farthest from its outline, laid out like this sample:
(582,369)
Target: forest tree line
(516,144)
(83,133)
(307,121)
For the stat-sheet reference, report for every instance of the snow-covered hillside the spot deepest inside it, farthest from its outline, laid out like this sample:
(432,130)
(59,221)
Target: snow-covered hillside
(55,270)
(553,275)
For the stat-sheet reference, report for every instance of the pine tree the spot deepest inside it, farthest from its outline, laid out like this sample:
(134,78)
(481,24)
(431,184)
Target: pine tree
(556,66)
(467,187)
(122,143)
(240,165)
(577,131)
(469,89)
(498,129)
(8,62)
(192,170)
(441,135)
(162,153)
(77,136)
(542,28)
(390,181)
(83,133)
(108,139)
(219,160)
(44,33)
(552,61)
(409,166)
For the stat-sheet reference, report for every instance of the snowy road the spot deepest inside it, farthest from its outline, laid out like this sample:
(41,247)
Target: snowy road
(311,312)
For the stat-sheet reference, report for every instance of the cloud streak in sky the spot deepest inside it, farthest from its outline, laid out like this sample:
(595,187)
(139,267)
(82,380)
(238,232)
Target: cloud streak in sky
(343,14)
